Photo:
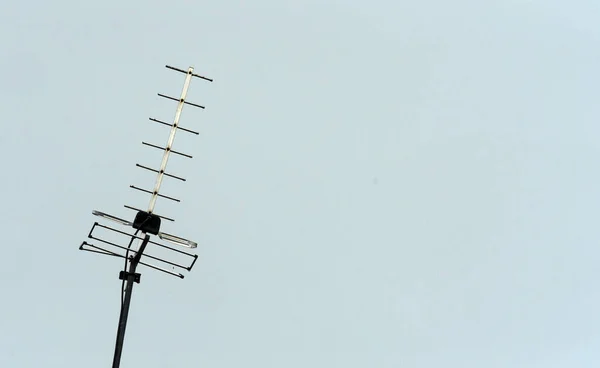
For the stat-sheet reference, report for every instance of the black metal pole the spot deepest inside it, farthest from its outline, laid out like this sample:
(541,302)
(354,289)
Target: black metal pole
(130,278)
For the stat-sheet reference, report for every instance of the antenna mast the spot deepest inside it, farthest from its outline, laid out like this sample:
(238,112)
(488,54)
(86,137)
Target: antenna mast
(147,223)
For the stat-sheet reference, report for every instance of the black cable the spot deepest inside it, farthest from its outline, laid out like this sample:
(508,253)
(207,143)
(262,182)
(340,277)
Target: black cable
(125,265)
(127,257)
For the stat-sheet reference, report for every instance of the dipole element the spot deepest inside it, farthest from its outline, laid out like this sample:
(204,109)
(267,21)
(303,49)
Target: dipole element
(165,159)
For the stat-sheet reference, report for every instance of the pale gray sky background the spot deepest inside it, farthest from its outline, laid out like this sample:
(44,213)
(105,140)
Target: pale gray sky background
(376,184)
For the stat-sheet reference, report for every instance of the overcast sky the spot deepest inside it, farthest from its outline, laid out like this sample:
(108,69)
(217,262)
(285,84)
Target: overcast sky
(375,184)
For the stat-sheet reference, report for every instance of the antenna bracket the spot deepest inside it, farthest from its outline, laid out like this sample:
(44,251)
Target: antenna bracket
(147,222)
(123,275)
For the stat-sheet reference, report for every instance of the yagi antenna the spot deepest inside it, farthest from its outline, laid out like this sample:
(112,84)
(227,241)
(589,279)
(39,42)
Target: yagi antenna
(117,243)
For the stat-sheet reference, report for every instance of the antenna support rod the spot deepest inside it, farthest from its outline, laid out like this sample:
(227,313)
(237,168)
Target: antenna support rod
(165,159)
(130,277)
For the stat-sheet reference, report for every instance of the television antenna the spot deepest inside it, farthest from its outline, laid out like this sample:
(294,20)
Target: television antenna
(146,223)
